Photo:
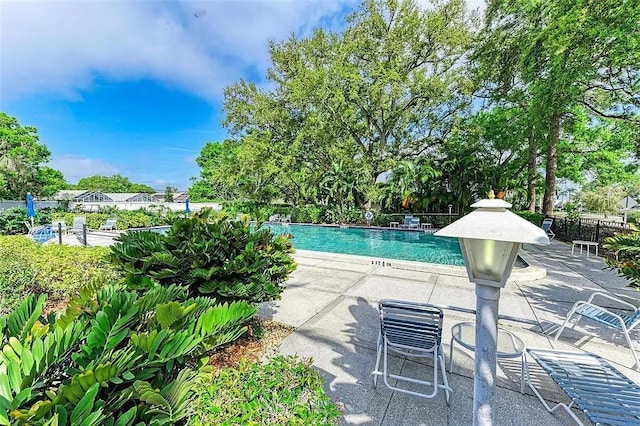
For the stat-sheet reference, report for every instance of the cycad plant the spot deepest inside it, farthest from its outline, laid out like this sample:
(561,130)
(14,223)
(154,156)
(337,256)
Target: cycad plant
(209,255)
(626,260)
(115,357)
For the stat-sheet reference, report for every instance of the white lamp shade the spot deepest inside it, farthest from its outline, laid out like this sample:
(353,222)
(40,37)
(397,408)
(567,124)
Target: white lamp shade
(489,262)
(490,238)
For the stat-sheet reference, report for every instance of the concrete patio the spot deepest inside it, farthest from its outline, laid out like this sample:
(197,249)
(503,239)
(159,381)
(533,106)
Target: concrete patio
(331,300)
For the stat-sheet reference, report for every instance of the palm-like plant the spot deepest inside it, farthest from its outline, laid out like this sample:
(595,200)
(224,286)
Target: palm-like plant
(115,357)
(626,260)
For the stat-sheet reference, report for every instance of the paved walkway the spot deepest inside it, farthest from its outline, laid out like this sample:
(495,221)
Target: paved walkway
(331,300)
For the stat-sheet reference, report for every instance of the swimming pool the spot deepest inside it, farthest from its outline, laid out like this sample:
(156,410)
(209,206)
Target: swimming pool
(401,245)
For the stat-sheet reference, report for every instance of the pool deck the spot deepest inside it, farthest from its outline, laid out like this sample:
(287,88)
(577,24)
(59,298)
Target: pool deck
(331,300)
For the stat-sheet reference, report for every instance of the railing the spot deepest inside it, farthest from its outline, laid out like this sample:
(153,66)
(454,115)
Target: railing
(587,229)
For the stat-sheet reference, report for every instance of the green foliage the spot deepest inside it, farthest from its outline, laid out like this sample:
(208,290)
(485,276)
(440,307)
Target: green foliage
(209,255)
(344,107)
(535,218)
(110,359)
(547,58)
(626,256)
(57,270)
(126,219)
(115,183)
(168,194)
(284,391)
(13,221)
(603,199)
(22,159)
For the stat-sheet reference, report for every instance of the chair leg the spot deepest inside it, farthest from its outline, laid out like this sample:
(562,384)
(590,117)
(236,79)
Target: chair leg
(376,372)
(445,381)
(451,355)
(633,351)
(566,321)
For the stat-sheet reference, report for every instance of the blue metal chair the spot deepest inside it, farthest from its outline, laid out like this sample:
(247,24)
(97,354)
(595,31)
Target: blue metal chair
(414,330)
(602,393)
(619,321)
(546,227)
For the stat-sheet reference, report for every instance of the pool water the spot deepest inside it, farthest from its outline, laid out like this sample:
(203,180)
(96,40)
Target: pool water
(402,245)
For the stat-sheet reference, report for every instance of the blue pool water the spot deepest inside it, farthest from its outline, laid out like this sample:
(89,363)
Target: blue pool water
(402,245)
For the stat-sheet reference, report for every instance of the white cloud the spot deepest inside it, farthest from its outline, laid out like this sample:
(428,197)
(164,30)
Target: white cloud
(61,47)
(75,167)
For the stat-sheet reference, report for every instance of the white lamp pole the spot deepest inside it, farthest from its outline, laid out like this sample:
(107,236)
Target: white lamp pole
(490,238)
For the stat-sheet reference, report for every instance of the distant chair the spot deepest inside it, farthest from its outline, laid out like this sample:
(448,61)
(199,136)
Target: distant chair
(110,225)
(78,224)
(411,222)
(546,227)
(274,218)
(618,321)
(59,225)
(286,219)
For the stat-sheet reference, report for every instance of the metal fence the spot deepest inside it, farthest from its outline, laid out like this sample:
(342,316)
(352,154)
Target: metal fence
(587,229)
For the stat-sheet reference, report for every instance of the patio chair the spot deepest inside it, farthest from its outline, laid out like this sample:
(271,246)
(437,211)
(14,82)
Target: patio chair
(546,227)
(78,222)
(42,234)
(274,218)
(110,225)
(414,330)
(411,222)
(619,321)
(286,219)
(602,393)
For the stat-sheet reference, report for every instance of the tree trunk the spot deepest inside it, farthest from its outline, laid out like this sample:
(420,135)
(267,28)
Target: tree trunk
(552,167)
(532,175)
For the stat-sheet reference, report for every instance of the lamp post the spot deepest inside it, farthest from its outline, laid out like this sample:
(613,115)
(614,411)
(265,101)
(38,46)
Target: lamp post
(490,238)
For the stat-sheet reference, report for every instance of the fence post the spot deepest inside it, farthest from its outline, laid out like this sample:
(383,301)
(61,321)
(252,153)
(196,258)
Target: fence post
(84,234)
(598,231)
(60,232)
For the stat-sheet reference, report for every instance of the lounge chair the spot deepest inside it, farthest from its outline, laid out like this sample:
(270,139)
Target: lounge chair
(42,234)
(110,225)
(59,225)
(414,330)
(286,219)
(619,321)
(546,227)
(274,218)
(411,222)
(79,222)
(602,393)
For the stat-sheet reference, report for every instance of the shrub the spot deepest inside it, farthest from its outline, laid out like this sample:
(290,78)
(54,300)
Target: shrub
(284,391)
(26,266)
(225,259)
(535,218)
(114,357)
(626,263)
(12,221)
(141,218)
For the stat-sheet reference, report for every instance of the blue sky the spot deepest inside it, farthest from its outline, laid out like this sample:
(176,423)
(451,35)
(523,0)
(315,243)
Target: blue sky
(135,87)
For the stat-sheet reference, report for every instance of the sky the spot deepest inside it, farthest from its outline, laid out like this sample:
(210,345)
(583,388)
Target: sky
(135,87)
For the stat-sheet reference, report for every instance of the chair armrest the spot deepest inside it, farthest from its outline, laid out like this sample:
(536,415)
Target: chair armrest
(600,308)
(615,299)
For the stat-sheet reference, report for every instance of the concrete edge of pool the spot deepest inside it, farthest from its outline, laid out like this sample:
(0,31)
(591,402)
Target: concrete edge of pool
(533,271)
